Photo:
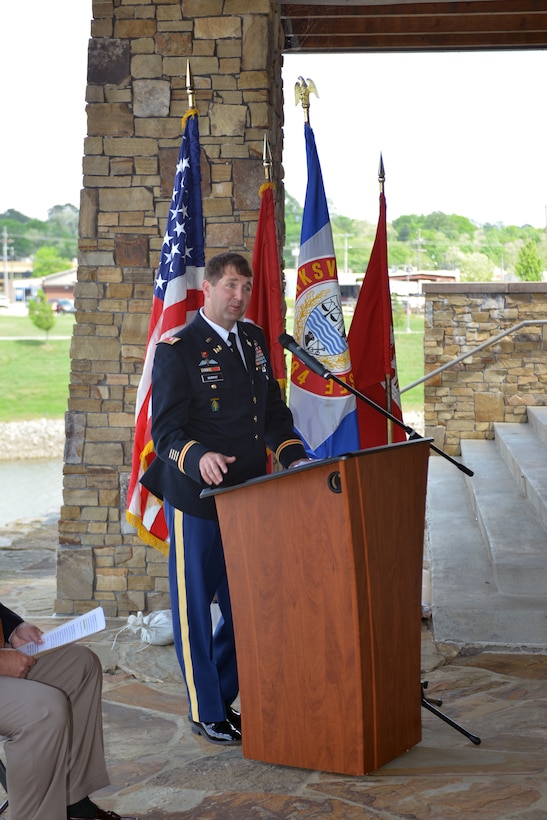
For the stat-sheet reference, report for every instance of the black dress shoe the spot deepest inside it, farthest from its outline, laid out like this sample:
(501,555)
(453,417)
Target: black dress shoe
(222,733)
(100,814)
(234,717)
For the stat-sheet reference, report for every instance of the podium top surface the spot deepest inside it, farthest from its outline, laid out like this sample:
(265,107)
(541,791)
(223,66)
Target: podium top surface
(311,465)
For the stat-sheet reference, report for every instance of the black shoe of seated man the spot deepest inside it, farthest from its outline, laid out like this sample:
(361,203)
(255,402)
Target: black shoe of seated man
(87,810)
(222,732)
(234,717)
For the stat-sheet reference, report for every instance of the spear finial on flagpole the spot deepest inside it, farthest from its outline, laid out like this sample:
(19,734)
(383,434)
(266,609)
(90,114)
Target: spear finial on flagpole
(267,159)
(190,86)
(381,174)
(302,91)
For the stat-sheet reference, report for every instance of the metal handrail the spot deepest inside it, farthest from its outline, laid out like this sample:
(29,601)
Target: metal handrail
(463,356)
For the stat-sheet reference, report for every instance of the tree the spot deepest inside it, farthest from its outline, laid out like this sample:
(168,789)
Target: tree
(27,235)
(41,313)
(476,267)
(293,229)
(47,259)
(529,266)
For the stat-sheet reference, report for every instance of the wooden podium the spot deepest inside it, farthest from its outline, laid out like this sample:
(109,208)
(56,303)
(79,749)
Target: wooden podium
(325,569)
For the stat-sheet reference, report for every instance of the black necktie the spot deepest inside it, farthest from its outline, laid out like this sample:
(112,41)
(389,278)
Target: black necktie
(232,342)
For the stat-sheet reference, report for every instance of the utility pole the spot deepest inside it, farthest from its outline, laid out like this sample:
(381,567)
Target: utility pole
(5,257)
(345,237)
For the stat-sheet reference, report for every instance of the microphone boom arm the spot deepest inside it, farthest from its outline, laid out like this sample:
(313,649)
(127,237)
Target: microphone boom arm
(290,344)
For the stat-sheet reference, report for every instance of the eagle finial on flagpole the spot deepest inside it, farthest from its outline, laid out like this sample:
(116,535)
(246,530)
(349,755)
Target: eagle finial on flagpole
(267,159)
(381,174)
(190,86)
(302,91)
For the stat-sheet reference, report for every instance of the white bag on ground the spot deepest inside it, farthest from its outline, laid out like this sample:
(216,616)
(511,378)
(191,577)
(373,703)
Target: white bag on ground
(155,628)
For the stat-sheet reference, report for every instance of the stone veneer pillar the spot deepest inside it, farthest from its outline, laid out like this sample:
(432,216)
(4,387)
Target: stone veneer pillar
(496,384)
(136,96)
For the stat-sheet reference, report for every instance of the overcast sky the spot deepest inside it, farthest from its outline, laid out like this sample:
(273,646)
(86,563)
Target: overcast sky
(459,133)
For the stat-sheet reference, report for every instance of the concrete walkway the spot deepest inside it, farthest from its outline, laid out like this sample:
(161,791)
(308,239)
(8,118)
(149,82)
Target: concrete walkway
(160,770)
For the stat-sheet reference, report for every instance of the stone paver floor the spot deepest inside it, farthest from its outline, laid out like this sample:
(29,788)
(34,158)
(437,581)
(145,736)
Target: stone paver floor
(160,770)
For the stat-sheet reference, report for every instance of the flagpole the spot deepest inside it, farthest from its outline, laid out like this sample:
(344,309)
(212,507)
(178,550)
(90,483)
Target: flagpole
(267,159)
(302,91)
(381,174)
(389,405)
(190,86)
(176,297)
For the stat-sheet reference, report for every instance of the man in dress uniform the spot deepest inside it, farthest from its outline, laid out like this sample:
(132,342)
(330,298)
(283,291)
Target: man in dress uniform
(216,407)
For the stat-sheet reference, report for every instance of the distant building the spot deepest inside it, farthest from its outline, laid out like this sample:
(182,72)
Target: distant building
(60,285)
(407,285)
(56,286)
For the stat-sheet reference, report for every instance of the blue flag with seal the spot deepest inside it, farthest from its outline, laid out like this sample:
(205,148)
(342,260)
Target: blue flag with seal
(325,414)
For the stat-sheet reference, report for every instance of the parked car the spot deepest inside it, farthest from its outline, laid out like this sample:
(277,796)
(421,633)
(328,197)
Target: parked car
(65,306)
(4,302)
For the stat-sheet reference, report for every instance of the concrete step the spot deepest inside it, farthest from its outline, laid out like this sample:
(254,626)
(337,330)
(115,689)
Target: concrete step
(537,419)
(474,603)
(516,540)
(524,450)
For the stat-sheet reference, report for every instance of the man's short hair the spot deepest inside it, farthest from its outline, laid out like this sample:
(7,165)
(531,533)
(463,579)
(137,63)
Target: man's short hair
(214,269)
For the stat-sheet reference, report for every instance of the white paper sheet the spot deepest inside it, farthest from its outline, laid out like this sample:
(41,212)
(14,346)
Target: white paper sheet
(68,632)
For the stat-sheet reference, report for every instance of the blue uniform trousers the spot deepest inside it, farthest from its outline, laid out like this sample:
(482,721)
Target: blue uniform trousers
(197,573)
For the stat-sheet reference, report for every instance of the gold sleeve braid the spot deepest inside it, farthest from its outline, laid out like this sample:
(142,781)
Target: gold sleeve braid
(183,454)
(289,443)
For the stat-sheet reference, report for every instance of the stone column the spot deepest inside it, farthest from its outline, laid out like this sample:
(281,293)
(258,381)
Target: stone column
(136,96)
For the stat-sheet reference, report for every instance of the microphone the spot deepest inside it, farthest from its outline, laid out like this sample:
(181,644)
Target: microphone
(289,343)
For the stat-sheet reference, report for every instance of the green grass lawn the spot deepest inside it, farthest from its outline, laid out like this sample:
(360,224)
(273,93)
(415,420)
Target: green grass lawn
(22,326)
(409,349)
(35,371)
(35,377)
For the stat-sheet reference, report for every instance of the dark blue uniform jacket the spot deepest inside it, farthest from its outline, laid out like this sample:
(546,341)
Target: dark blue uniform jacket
(204,399)
(10,621)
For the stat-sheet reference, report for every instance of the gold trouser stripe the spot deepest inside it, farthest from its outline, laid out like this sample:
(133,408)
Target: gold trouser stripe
(183,615)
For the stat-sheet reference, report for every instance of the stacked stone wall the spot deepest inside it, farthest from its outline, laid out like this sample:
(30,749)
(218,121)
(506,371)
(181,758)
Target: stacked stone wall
(496,384)
(136,96)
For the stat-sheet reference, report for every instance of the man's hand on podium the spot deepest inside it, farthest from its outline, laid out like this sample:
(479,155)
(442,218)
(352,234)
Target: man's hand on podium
(300,462)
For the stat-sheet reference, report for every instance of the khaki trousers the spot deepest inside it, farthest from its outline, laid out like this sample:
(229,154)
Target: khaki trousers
(53,724)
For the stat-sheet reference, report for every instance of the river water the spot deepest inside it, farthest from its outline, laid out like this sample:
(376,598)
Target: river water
(30,488)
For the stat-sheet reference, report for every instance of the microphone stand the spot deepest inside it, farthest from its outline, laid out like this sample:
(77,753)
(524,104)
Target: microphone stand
(290,344)
(411,433)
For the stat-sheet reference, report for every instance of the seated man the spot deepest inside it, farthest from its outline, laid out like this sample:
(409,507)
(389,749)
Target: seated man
(50,713)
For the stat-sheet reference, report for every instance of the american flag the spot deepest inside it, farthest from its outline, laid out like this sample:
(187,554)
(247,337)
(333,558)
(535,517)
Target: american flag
(177,297)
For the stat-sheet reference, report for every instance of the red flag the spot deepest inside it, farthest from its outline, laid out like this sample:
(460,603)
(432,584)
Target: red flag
(177,297)
(266,305)
(372,348)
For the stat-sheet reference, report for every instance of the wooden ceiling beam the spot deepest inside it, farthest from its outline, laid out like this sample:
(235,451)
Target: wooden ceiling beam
(438,24)
(516,7)
(482,24)
(379,43)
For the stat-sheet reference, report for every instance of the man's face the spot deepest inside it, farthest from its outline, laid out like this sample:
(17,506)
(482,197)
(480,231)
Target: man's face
(227,301)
